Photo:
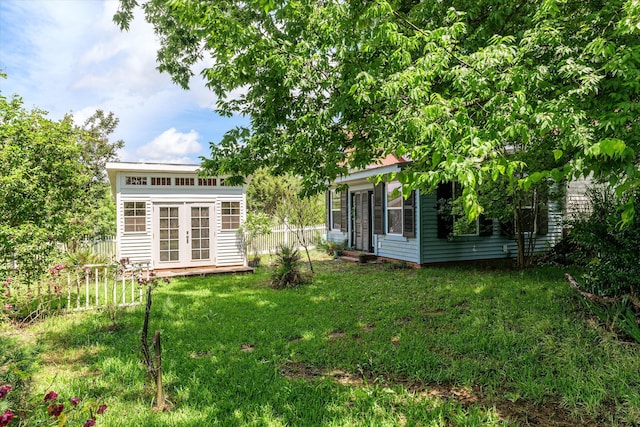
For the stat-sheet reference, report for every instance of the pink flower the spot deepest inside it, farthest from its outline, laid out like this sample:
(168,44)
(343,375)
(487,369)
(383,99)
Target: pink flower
(6,292)
(51,396)
(4,389)
(6,418)
(74,401)
(9,280)
(101,409)
(58,267)
(55,410)
(8,307)
(90,423)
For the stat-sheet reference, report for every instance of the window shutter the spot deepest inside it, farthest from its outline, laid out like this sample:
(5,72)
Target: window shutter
(444,194)
(409,216)
(378,209)
(486,226)
(343,210)
(543,214)
(327,207)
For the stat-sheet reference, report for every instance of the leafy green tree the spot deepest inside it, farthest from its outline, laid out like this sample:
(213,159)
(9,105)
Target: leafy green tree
(51,184)
(265,192)
(99,216)
(454,84)
(42,185)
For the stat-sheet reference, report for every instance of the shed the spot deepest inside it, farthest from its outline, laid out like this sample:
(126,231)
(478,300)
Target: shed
(170,217)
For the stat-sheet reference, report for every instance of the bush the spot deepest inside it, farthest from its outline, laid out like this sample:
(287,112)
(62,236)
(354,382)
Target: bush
(286,268)
(614,269)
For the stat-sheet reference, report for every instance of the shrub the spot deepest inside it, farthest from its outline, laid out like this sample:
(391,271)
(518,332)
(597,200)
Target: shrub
(286,268)
(614,269)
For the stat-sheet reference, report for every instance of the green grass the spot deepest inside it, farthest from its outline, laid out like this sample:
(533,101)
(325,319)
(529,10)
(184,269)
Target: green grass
(360,346)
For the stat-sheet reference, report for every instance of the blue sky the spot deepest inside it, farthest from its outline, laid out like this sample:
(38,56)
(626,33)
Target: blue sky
(67,56)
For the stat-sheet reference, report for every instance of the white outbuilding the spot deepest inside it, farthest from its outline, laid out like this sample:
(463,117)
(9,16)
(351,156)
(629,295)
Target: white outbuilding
(170,217)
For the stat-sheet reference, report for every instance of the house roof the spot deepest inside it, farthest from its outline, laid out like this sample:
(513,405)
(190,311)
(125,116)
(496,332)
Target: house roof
(388,164)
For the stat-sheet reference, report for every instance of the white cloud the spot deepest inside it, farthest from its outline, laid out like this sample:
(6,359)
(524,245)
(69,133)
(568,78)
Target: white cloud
(171,147)
(69,56)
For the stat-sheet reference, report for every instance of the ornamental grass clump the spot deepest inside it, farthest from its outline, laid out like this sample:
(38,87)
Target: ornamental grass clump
(286,269)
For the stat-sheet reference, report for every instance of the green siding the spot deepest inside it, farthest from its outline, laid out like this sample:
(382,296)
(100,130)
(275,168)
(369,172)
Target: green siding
(435,250)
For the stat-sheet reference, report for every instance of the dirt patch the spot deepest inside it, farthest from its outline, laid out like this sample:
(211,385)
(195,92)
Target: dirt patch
(338,334)
(297,370)
(247,347)
(200,354)
(404,320)
(369,327)
(521,412)
(295,338)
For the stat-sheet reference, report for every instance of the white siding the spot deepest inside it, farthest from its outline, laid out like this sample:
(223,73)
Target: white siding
(140,247)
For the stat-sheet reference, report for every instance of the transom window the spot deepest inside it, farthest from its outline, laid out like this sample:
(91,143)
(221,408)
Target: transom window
(186,182)
(135,217)
(394,208)
(136,180)
(207,182)
(160,180)
(230,215)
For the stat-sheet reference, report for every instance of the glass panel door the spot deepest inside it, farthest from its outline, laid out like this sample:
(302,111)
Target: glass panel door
(200,243)
(169,236)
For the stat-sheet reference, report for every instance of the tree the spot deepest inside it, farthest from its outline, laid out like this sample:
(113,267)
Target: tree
(266,192)
(51,185)
(42,185)
(99,214)
(454,85)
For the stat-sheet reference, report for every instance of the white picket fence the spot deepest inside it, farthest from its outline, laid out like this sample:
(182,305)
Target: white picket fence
(99,285)
(288,236)
(268,243)
(84,288)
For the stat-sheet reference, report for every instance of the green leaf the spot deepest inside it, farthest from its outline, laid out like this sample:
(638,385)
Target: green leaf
(557,154)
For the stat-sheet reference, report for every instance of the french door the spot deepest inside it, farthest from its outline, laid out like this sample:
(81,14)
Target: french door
(184,235)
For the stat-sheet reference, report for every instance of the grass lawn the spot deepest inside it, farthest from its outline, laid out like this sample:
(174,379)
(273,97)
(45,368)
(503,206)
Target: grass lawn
(360,346)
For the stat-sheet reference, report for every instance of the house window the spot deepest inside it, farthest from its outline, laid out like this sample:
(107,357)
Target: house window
(336,206)
(452,220)
(162,180)
(230,215)
(185,182)
(206,182)
(135,217)
(462,226)
(222,183)
(136,180)
(394,208)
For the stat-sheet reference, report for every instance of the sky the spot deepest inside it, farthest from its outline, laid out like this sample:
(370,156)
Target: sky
(67,56)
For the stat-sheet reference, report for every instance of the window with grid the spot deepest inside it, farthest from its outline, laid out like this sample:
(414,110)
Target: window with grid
(207,182)
(230,215)
(136,180)
(135,217)
(160,180)
(336,207)
(185,182)
(394,208)
(200,233)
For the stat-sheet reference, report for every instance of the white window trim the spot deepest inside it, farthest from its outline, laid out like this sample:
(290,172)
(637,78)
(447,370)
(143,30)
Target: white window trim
(399,208)
(124,217)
